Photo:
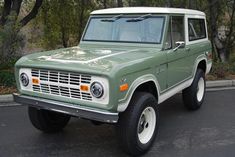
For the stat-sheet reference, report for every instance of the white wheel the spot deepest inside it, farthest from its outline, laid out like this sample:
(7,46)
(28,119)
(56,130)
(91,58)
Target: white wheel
(146,125)
(138,126)
(200,89)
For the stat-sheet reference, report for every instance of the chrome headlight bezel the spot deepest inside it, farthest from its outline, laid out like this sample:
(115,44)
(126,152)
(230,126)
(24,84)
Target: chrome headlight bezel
(24,78)
(97,89)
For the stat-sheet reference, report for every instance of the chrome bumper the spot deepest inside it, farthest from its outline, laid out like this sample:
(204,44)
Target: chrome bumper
(66,108)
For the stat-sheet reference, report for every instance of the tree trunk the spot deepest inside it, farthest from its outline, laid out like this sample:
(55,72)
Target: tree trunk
(129,3)
(6,11)
(168,3)
(32,14)
(105,4)
(64,39)
(119,3)
(81,18)
(218,46)
(230,38)
(10,40)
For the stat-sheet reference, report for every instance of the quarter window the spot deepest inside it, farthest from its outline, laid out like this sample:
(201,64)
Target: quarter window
(196,29)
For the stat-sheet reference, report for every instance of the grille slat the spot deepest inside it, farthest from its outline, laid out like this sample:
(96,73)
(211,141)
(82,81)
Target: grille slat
(36,88)
(62,84)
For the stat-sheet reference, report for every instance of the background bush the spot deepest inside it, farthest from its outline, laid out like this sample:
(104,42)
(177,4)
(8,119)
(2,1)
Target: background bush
(7,78)
(222,70)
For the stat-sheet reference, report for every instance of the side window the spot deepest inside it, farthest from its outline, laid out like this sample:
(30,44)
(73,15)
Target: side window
(177,24)
(196,29)
(175,32)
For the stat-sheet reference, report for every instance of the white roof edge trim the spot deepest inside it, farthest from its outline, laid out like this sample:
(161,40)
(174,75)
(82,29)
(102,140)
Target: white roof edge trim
(140,10)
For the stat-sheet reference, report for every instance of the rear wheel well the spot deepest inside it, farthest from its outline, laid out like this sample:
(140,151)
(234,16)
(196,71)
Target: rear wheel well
(202,65)
(148,87)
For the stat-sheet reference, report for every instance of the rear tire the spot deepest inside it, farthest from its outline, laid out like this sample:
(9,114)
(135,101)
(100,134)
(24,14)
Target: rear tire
(47,121)
(138,126)
(193,96)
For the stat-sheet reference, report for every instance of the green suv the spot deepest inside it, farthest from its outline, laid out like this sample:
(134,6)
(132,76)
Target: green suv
(128,61)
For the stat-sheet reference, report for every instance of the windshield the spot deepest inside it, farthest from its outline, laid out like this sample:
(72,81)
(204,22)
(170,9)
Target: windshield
(137,29)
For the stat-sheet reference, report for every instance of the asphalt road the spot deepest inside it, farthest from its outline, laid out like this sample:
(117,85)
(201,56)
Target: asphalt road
(208,132)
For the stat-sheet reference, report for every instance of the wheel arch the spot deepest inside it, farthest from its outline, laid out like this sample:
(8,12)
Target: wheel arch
(148,87)
(145,83)
(202,65)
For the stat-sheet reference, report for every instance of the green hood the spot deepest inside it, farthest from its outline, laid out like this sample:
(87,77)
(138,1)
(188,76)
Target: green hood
(92,60)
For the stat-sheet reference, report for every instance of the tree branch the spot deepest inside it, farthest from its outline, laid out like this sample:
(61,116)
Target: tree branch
(230,38)
(32,14)
(6,11)
(16,5)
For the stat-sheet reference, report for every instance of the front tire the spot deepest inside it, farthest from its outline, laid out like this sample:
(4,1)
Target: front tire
(138,125)
(47,121)
(193,96)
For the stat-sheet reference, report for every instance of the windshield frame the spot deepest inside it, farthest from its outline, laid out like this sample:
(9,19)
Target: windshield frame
(125,16)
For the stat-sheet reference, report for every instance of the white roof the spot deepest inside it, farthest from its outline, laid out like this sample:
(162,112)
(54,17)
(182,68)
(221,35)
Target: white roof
(143,10)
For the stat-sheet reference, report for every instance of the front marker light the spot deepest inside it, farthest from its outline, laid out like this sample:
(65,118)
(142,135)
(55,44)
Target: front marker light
(123,87)
(24,79)
(97,90)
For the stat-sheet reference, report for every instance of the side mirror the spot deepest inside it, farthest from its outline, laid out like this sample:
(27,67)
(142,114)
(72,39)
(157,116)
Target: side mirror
(179,44)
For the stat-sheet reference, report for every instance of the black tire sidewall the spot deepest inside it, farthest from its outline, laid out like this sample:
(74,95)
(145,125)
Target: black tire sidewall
(128,122)
(41,119)
(190,93)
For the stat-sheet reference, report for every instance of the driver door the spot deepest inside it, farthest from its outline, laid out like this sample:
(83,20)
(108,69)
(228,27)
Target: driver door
(177,62)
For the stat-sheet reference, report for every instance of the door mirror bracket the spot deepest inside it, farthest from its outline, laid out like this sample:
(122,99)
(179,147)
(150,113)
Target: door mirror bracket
(179,44)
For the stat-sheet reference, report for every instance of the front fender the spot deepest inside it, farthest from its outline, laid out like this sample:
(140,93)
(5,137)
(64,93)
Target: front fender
(123,103)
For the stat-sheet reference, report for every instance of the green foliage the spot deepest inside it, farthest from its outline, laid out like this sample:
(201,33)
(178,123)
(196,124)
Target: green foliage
(9,65)
(232,57)
(232,61)
(63,22)
(7,78)
(11,43)
(221,70)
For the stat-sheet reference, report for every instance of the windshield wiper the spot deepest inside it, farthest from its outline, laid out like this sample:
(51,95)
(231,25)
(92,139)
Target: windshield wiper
(112,19)
(141,18)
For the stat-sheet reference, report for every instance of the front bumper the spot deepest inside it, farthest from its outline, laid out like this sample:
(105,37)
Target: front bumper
(67,108)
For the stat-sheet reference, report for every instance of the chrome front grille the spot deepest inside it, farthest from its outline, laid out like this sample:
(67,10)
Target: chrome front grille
(60,83)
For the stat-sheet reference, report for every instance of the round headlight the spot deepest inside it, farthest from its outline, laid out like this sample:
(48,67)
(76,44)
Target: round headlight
(97,90)
(24,79)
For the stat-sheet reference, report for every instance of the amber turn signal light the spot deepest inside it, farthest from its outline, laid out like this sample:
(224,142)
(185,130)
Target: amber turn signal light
(35,81)
(123,87)
(84,88)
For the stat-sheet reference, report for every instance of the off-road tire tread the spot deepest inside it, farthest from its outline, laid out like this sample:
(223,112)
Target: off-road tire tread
(40,120)
(190,93)
(126,122)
